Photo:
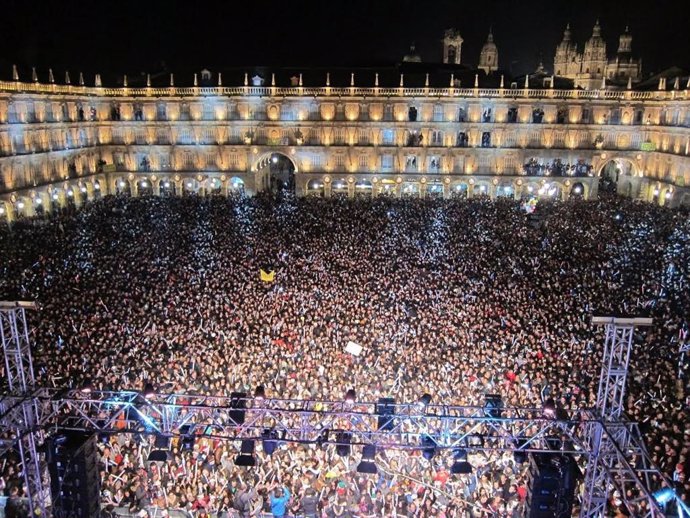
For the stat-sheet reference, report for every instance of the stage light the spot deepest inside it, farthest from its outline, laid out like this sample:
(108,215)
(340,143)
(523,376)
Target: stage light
(189,184)
(166,184)
(425,400)
(83,189)
(159,456)
(144,183)
(148,391)
(493,405)
(70,193)
(577,189)
(350,397)
(20,204)
(122,183)
(260,393)
(668,195)
(187,435)
(342,446)
(86,387)
(618,216)
(664,496)
(550,408)
(322,438)
(428,447)
(460,465)
(56,196)
(246,457)
(97,186)
(269,439)
(274,159)
(38,201)
(367,464)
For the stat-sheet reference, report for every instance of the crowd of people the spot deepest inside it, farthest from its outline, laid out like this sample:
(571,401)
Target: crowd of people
(455,298)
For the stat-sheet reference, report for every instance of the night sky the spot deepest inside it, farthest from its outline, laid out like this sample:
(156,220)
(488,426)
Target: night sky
(133,37)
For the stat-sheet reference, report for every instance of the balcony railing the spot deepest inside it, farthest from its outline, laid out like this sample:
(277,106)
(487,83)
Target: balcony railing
(325,91)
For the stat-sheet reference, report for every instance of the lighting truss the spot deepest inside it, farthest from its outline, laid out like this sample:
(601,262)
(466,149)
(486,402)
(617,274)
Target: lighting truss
(612,448)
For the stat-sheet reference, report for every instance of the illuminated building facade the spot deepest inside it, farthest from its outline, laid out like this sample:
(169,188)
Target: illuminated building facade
(64,144)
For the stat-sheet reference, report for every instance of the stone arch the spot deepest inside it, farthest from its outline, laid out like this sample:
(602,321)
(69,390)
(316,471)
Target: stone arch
(276,170)
(364,188)
(315,187)
(626,167)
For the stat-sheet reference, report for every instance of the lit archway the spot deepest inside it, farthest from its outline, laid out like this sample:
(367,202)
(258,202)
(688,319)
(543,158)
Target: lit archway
(277,172)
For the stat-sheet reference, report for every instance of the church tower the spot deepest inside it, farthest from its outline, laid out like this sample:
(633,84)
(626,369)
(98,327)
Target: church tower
(488,57)
(594,60)
(566,63)
(623,66)
(452,47)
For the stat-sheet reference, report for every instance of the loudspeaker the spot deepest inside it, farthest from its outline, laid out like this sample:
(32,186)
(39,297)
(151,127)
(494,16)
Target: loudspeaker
(385,409)
(553,478)
(238,401)
(74,478)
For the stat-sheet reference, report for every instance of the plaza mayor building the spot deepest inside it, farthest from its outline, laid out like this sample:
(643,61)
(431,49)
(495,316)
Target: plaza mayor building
(413,129)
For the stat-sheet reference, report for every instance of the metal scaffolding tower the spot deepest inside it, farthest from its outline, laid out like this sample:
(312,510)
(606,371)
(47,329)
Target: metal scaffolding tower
(18,407)
(610,441)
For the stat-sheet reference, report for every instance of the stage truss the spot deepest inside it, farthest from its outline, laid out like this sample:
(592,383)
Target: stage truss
(613,449)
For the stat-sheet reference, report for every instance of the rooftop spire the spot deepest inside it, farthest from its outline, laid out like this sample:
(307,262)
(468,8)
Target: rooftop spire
(51,78)
(15,74)
(67,81)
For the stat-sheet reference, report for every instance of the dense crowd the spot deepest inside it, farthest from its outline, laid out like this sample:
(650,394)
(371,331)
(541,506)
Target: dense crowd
(448,297)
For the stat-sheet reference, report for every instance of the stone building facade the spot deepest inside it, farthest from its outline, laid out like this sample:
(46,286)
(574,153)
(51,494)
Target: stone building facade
(65,144)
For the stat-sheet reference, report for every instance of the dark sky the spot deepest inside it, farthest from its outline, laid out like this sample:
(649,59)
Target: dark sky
(130,37)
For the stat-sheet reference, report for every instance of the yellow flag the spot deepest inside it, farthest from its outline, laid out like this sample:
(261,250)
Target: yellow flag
(267,276)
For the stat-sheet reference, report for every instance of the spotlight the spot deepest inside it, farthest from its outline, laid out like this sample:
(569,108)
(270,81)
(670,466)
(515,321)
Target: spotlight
(122,183)
(86,387)
(428,447)
(274,159)
(97,186)
(20,204)
(238,402)
(144,183)
(83,189)
(55,196)
(618,216)
(550,408)
(70,193)
(425,400)
(493,405)
(159,456)
(367,464)
(350,397)
(246,457)
(519,455)
(189,185)
(148,391)
(668,195)
(342,446)
(460,465)
(187,435)
(322,438)
(38,201)
(260,393)
(166,184)
(269,437)
(385,409)
(664,496)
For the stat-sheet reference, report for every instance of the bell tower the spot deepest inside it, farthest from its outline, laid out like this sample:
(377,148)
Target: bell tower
(488,57)
(452,47)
